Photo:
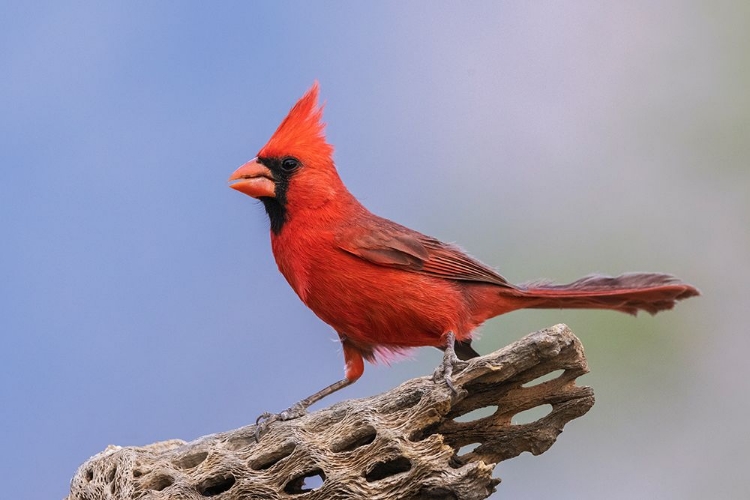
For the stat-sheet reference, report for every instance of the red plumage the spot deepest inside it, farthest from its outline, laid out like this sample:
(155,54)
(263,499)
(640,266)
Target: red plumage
(382,286)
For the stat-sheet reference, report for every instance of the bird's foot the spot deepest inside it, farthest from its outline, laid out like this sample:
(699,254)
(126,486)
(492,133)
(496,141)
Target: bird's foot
(450,364)
(444,372)
(266,419)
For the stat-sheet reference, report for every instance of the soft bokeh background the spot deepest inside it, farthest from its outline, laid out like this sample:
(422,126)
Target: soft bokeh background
(139,297)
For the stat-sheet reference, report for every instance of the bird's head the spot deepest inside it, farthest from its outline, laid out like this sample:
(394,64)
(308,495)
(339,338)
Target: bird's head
(294,171)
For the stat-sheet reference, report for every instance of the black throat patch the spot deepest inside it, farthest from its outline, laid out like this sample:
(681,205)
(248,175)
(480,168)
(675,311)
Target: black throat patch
(276,207)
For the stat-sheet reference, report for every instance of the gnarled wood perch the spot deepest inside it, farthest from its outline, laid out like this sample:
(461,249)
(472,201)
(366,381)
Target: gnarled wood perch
(401,444)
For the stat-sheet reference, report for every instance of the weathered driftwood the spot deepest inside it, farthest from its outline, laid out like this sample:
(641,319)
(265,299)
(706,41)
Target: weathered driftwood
(406,443)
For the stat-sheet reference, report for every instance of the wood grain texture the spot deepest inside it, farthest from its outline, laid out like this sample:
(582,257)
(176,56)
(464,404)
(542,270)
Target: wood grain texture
(405,443)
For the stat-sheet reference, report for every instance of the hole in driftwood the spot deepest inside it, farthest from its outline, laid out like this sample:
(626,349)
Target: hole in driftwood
(544,378)
(190,461)
(306,482)
(138,473)
(531,415)
(381,470)
(215,485)
(158,482)
(467,449)
(110,476)
(361,437)
(89,475)
(433,493)
(424,433)
(268,460)
(477,414)
(459,458)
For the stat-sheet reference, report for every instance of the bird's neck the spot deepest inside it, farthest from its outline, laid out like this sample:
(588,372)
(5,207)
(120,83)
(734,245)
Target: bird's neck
(307,233)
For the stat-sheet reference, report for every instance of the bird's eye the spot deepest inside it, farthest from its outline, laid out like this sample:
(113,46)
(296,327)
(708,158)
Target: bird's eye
(289,164)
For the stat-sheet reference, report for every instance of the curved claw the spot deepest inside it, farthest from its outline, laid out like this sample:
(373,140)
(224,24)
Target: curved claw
(263,416)
(444,372)
(265,419)
(262,422)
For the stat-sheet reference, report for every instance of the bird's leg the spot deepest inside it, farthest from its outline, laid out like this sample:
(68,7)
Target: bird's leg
(450,362)
(298,409)
(354,369)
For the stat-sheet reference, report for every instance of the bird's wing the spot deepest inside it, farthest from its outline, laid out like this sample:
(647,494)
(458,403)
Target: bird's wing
(388,244)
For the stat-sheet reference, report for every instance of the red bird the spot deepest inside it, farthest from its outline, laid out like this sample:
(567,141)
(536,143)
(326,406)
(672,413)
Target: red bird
(384,287)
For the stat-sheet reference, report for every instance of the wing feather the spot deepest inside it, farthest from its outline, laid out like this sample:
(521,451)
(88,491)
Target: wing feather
(388,244)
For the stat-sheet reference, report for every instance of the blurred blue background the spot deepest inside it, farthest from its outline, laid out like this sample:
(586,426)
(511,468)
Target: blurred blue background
(140,300)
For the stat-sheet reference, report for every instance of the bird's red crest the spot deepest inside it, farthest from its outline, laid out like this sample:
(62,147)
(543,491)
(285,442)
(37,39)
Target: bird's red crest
(301,133)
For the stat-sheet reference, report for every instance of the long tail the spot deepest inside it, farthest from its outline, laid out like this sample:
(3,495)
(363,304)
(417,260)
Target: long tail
(628,293)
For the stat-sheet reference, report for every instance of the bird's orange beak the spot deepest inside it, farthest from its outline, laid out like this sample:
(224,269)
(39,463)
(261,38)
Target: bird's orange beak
(254,179)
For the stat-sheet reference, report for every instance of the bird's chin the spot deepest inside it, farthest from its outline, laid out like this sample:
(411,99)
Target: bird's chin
(257,187)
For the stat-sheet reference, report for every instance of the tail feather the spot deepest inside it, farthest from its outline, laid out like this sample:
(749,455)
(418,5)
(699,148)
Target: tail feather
(628,293)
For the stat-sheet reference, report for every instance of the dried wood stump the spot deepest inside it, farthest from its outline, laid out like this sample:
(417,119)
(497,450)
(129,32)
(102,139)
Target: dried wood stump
(407,443)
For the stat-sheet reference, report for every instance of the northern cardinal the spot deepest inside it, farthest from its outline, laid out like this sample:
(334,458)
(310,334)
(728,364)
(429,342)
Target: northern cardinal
(384,287)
